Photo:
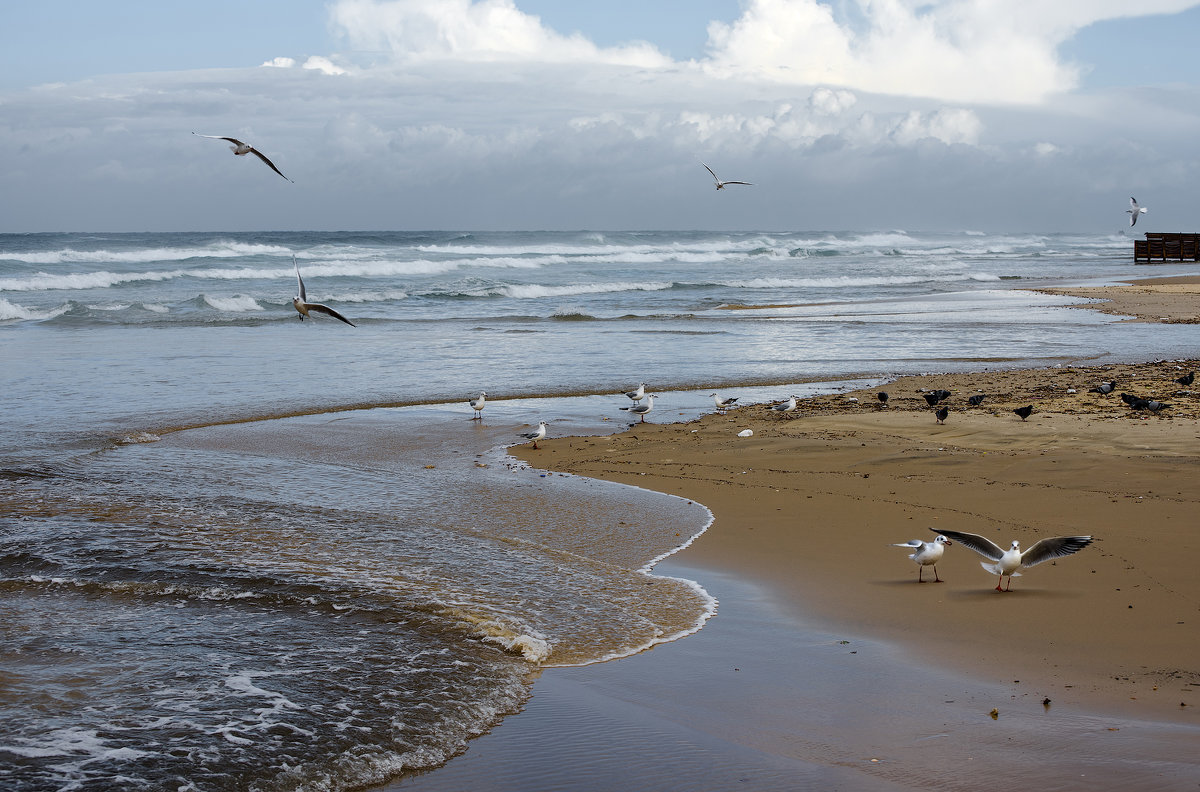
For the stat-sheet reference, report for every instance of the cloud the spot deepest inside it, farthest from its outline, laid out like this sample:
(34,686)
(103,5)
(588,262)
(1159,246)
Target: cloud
(487,30)
(978,51)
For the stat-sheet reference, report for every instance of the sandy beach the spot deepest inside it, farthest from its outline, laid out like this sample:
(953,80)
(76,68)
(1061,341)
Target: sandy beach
(808,506)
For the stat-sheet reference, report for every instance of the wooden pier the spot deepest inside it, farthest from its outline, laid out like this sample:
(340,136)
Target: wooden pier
(1166,247)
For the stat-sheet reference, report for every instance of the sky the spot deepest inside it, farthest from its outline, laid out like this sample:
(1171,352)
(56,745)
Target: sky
(925,115)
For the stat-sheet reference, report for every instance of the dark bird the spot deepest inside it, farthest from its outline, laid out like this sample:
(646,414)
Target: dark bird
(1024,412)
(302,306)
(976,400)
(1128,398)
(882,396)
(941,414)
(932,399)
(1104,388)
(1187,379)
(241,149)
(927,554)
(1007,562)
(942,394)
(721,184)
(1152,405)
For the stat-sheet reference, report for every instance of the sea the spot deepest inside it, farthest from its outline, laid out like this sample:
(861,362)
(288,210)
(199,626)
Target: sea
(242,551)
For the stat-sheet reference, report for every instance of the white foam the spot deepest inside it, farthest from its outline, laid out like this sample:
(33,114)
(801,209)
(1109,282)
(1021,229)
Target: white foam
(535,291)
(238,303)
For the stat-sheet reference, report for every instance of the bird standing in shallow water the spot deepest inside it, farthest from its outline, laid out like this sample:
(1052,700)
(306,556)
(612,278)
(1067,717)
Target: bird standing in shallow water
(1007,562)
(724,404)
(302,306)
(477,406)
(927,554)
(641,408)
(241,149)
(638,394)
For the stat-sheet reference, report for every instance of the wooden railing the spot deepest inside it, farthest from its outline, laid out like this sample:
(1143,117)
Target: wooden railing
(1166,247)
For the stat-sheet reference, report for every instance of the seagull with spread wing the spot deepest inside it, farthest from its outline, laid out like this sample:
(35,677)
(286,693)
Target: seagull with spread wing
(721,184)
(1007,562)
(300,302)
(242,149)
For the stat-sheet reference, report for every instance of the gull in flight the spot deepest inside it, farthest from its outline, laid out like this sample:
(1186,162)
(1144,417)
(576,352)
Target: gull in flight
(477,405)
(1134,211)
(724,404)
(641,408)
(242,149)
(927,554)
(785,407)
(639,394)
(536,434)
(1007,562)
(721,184)
(303,306)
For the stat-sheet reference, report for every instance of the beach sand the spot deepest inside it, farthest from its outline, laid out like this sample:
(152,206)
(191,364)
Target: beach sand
(807,507)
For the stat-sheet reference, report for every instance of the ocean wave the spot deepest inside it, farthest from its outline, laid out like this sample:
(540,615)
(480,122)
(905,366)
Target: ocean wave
(224,249)
(238,303)
(535,291)
(11,311)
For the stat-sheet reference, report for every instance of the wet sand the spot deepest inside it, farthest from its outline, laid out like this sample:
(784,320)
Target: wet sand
(1101,645)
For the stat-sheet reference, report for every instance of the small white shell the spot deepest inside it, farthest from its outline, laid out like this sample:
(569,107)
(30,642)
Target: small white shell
(746,433)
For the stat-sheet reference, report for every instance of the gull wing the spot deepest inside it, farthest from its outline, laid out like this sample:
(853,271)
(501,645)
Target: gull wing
(710,170)
(909,543)
(985,547)
(234,141)
(262,157)
(325,309)
(299,280)
(1055,547)
(748,184)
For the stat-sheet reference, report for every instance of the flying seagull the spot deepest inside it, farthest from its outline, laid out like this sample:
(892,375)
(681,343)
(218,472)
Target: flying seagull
(241,149)
(536,434)
(1007,562)
(638,394)
(477,405)
(724,404)
(927,554)
(1134,211)
(303,306)
(641,408)
(721,184)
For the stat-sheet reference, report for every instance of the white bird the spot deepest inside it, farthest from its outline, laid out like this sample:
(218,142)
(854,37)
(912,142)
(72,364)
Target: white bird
(785,407)
(724,404)
(301,304)
(1134,211)
(927,554)
(477,405)
(1007,562)
(242,149)
(639,394)
(536,434)
(721,184)
(641,408)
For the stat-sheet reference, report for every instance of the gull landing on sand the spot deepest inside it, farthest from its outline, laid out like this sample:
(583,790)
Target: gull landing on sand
(536,434)
(477,406)
(641,408)
(721,184)
(1007,562)
(242,149)
(1134,211)
(302,306)
(927,554)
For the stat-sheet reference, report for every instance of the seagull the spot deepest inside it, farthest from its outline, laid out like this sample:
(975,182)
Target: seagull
(941,414)
(303,306)
(477,405)
(241,149)
(785,407)
(536,434)
(638,394)
(1134,211)
(721,184)
(724,404)
(1024,412)
(641,408)
(1187,379)
(1008,562)
(976,400)
(927,554)
(1104,388)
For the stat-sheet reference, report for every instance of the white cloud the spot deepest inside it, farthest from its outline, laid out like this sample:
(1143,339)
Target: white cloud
(487,30)
(323,65)
(281,63)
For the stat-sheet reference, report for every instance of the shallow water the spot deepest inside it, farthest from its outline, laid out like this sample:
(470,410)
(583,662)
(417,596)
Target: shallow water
(239,551)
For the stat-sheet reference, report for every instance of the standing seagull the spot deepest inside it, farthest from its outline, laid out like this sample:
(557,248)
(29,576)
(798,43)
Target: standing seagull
(724,404)
(785,407)
(1134,211)
(641,408)
(1007,562)
(303,306)
(721,184)
(639,394)
(477,405)
(536,434)
(242,149)
(927,554)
